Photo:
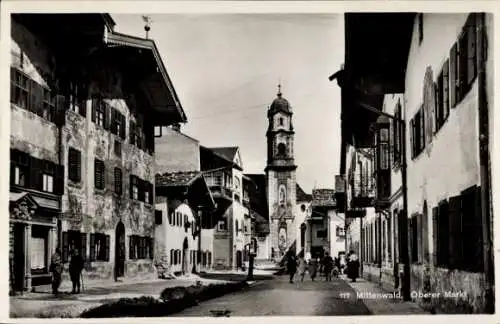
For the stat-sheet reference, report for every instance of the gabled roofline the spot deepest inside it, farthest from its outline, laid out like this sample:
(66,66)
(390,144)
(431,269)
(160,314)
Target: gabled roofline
(116,38)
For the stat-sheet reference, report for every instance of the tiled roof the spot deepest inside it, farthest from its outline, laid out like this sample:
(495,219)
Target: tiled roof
(226,152)
(323,197)
(171,179)
(301,195)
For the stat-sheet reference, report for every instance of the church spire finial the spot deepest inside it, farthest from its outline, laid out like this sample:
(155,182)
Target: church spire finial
(279,89)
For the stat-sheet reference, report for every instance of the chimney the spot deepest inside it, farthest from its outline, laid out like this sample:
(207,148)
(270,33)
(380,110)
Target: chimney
(176,127)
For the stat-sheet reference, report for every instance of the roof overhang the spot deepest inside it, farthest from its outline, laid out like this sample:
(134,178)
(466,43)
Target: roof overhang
(376,54)
(195,190)
(141,59)
(79,41)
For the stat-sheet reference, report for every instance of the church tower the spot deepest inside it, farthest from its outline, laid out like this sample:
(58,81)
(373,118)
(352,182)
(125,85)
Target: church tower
(280,174)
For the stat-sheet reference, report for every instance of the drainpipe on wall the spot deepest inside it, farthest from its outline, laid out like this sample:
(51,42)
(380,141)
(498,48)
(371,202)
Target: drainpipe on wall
(484,158)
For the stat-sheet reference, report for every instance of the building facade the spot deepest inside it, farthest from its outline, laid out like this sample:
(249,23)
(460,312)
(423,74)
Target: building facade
(223,170)
(281,177)
(183,206)
(93,165)
(444,98)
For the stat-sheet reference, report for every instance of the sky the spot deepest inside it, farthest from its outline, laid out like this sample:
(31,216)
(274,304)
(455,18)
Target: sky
(226,69)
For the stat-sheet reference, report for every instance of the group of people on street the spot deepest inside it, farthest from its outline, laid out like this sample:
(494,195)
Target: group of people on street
(75,270)
(327,265)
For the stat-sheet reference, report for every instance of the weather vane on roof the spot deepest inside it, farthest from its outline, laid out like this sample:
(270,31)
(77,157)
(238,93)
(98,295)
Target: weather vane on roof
(279,88)
(147,27)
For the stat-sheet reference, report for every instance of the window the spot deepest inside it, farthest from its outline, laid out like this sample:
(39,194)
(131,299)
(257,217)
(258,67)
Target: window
(158,131)
(441,234)
(442,107)
(158,217)
(147,189)
(49,104)
(48,183)
(117,126)
(281,149)
(99,174)
(28,94)
(19,91)
(417,125)
(72,240)
(397,136)
(74,165)
(463,64)
(472,236)
(222,225)
(78,99)
(99,247)
(132,133)
(39,249)
(118,181)
(19,167)
(118,148)
(134,187)
(420,28)
(99,111)
(48,176)
(281,121)
(140,247)
(236,227)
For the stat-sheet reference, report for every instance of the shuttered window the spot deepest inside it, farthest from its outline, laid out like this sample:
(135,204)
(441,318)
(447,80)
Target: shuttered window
(99,174)
(74,165)
(72,240)
(118,181)
(454,77)
(412,137)
(141,247)
(472,244)
(99,247)
(443,235)
(117,124)
(158,217)
(455,233)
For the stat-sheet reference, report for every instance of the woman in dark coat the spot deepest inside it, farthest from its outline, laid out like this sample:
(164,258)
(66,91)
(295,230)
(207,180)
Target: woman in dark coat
(353,267)
(75,270)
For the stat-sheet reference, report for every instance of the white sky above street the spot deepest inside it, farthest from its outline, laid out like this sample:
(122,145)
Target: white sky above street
(226,68)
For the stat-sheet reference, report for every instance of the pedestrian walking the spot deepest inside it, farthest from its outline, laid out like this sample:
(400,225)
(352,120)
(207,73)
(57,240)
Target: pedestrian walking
(75,270)
(353,267)
(56,269)
(328,266)
(291,266)
(302,268)
(313,268)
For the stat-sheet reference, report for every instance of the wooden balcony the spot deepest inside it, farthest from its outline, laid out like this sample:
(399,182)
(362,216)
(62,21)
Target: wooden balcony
(221,192)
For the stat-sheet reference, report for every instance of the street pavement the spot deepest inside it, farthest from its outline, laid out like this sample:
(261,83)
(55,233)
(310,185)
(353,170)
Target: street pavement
(278,297)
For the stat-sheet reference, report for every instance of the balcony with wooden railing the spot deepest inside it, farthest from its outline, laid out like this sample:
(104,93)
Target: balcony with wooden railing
(220,184)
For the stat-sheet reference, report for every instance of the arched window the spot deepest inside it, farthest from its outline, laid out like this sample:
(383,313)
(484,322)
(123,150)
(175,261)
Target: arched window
(282,195)
(281,149)
(281,121)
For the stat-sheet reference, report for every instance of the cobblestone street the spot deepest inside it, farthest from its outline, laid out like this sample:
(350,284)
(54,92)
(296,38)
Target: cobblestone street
(280,298)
